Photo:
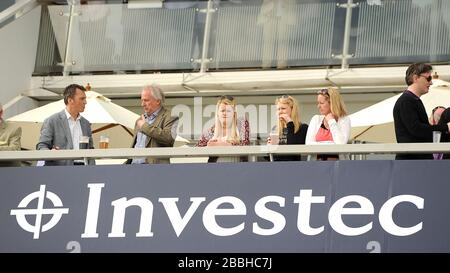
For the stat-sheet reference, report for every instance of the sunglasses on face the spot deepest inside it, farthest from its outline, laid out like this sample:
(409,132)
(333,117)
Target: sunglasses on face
(429,78)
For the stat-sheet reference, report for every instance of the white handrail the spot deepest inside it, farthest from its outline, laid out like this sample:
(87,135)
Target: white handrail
(264,150)
(16,8)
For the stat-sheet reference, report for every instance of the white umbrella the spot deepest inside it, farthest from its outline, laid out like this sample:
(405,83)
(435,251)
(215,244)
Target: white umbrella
(376,123)
(104,115)
(99,109)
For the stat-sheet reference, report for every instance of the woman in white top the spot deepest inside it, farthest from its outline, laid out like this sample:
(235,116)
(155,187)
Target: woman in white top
(332,125)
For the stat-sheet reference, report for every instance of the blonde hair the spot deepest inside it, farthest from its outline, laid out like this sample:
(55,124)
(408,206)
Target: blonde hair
(337,105)
(295,114)
(218,129)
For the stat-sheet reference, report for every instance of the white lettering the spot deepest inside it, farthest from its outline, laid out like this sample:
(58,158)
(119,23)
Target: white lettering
(178,222)
(304,200)
(120,206)
(233,206)
(388,223)
(90,226)
(212,210)
(338,209)
(277,219)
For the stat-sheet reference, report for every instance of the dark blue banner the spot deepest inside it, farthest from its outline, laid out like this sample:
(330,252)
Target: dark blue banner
(264,207)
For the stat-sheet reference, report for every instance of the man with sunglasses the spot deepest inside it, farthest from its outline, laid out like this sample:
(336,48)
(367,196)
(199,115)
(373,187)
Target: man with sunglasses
(410,117)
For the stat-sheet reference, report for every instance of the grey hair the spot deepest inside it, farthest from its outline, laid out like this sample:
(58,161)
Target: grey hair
(157,92)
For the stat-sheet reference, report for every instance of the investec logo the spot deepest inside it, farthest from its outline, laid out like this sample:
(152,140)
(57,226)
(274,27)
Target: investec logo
(40,195)
(236,207)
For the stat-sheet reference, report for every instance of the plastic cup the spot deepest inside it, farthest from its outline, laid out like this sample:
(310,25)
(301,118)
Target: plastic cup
(274,138)
(84,142)
(436,136)
(104,142)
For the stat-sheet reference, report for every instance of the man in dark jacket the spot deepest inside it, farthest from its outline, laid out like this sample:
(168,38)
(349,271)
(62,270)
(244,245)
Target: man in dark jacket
(410,118)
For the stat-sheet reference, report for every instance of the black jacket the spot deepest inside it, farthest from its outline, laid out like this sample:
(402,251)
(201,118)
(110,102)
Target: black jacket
(412,125)
(292,139)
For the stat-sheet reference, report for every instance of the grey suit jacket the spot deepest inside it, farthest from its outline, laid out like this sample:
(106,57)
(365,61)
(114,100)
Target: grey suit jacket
(55,132)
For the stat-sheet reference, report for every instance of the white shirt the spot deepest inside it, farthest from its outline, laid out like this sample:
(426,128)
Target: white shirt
(75,129)
(340,130)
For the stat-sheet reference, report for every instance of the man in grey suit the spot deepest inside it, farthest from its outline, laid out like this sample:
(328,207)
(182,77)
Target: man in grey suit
(64,129)
(156,127)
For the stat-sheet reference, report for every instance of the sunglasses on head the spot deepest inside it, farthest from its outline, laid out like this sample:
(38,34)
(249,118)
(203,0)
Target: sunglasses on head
(227,97)
(323,92)
(429,78)
(437,107)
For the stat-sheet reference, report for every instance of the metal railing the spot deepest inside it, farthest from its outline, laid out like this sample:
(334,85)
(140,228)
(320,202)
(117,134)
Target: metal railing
(250,151)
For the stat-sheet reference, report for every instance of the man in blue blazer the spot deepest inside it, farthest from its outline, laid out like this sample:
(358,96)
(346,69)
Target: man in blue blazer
(63,130)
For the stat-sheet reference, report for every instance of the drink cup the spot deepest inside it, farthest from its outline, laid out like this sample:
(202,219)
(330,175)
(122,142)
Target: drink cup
(84,142)
(274,138)
(436,136)
(104,142)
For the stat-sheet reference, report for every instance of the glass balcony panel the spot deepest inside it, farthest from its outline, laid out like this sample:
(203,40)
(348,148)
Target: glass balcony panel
(402,32)
(273,33)
(113,37)
(253,34)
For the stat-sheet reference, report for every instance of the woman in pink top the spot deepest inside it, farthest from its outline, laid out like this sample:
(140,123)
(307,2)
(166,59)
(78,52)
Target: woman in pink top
(332,125)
